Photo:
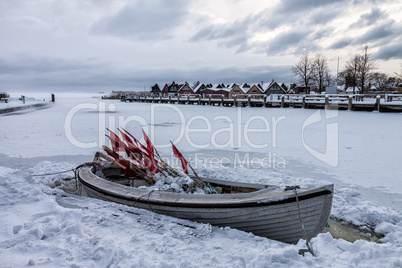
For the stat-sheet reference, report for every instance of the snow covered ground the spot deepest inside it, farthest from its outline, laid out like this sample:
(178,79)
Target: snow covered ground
(42,225)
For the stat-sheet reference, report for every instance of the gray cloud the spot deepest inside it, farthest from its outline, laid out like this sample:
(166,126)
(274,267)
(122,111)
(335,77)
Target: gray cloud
(323,15)
(306,19)
(74,75)
(28,65)
(370,18)
(341,43)
(301,6)
(391,51)
(151,19)
(322,33)
(378,32)
(220,31)
(60,30)
(286,41)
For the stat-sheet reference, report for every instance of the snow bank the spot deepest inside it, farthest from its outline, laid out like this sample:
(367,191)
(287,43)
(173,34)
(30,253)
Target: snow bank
(48,227)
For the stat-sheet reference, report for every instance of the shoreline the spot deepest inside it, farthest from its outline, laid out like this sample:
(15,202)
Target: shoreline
(24,107)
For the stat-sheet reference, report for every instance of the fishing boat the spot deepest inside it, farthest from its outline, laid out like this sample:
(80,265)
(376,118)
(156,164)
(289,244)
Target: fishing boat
(286,214)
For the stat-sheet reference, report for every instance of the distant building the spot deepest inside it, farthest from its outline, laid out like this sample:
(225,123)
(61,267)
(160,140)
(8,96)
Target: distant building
(255,89)
(275,88)
(185,89)
(170,90)
(236,90)
(156,91)
(4,95)
(218,90)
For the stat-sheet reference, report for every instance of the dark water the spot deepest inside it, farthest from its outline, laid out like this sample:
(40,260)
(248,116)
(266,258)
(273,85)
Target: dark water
(349,232)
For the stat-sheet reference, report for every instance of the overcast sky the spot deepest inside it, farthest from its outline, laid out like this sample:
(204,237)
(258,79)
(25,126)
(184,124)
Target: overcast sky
(101,45)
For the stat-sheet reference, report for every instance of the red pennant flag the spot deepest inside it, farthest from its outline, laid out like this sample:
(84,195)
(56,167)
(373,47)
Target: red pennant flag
(126,138)
(128,133)
(136,152)
(128,151)
(116,142)
(180,156)
(112,153)
(117,157)
(151,165)
(150,147)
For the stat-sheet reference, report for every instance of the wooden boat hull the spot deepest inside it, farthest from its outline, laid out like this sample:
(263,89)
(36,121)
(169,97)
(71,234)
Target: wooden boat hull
(268,211)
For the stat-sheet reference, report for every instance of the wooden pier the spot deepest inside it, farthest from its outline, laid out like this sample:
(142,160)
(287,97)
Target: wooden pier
(381,103)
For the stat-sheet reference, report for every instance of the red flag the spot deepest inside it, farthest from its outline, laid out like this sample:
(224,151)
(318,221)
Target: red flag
(126,138)
(111,153)
(150,147)
(128,133)
(151,165)
(116,142)
(136,152)
(148,150)
(128,151)
(180,156)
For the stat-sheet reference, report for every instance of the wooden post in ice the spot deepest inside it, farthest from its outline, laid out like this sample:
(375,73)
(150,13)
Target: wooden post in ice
(304,102)
(199,100)
(178,99)
(283,101)
(350,103)
(53,98)
(170,99)
(265,101)
(378,103)
(249,101)
(209,100)
(326,101)
(222,100)
(234,101)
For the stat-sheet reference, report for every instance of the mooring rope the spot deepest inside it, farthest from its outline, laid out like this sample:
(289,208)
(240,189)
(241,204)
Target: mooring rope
(302,224)
(149,204)
(61,172)
(55,173)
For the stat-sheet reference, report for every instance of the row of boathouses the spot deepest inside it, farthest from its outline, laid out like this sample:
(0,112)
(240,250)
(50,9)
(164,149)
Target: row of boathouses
(227,91)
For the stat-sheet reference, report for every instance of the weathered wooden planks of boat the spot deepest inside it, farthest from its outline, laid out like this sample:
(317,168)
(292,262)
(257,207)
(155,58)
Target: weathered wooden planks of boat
(264,210)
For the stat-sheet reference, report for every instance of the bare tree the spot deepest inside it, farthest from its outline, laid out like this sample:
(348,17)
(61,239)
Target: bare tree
(379,80)
(399,75)
(351,72)
(328,79)
(303,70)
(320,70)
(366,65)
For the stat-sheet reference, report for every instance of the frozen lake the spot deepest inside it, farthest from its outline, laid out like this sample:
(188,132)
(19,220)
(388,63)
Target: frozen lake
(357,148)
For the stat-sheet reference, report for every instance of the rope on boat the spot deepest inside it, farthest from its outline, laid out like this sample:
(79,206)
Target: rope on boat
(149,204)
(69,170)
(61,172)
(55,173)
(302,224)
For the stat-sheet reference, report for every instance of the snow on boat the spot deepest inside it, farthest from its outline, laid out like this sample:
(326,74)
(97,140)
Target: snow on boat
(264,210)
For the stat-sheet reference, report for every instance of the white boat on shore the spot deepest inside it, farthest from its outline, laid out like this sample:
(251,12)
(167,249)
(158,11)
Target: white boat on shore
(264,210)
